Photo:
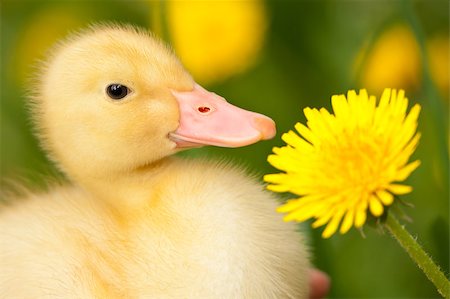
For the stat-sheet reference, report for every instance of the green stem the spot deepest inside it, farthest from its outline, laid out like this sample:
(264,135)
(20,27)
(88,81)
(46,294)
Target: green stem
(419,256)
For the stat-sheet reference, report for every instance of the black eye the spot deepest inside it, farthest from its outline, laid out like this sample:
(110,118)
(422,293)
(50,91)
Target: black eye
(117,91)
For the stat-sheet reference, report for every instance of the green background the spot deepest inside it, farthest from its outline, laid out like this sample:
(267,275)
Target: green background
(308,56)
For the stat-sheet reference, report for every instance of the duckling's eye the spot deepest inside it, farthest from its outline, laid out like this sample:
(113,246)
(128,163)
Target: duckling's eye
(117,91)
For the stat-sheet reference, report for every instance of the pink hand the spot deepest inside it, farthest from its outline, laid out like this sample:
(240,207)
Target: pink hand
(319,283)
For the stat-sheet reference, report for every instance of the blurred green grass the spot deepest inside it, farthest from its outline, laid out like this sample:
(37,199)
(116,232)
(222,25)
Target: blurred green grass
(308,55)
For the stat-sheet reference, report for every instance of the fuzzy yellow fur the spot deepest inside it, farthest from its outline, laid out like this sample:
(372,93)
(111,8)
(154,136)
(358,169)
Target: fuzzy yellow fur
(134,222)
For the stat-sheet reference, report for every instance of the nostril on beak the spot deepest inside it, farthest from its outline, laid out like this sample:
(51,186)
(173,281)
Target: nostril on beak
(204,110)
(266,126)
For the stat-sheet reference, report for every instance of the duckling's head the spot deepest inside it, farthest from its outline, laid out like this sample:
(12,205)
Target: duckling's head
(115,98)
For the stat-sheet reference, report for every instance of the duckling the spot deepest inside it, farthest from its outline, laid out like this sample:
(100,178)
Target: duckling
(111,106)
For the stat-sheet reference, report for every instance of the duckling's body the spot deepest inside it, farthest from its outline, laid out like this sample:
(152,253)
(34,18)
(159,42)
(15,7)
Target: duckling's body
(136,223)
(205,231)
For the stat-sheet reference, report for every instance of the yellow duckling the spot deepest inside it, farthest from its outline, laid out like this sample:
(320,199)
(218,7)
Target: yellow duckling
(112,104)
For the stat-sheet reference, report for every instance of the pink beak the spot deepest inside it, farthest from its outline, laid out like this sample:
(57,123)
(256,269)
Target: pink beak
(208,119)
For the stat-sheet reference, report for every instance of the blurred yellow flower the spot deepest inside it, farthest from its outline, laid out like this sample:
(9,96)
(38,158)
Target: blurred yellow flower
(438,57)
(216,39)
(42,31)
(394,60)
(343,164)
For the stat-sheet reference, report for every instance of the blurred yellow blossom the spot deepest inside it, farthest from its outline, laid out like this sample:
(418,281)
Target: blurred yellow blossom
(393,60)
(438,57)
(216,39)
(42,31)
(344,164)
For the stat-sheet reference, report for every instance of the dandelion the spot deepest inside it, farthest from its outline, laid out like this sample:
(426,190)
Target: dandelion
(345,164)
(217,39)
(394,60)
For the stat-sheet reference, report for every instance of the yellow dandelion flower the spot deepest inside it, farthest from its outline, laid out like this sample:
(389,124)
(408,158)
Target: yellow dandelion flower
(343,164)
(217,39)
(393,60)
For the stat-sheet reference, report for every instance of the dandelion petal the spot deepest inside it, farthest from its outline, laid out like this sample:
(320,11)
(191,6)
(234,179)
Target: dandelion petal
(376,208)
(385,197)
(404,173)
(361,214)
(332,225)
(289,206)
(322,220)
(399,189)
(278,188)
(347,222)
